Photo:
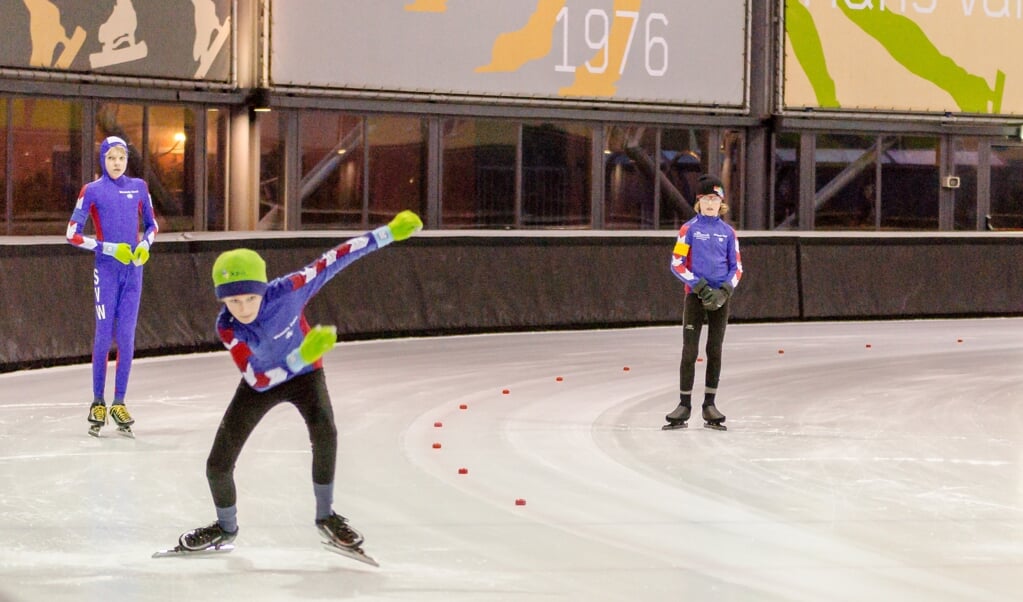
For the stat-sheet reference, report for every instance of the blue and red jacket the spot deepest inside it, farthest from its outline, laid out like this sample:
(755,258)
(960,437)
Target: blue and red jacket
(707,247)
(260,349)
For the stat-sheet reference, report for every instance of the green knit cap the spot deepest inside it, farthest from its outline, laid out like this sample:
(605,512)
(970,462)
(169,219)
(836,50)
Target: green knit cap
(239,272)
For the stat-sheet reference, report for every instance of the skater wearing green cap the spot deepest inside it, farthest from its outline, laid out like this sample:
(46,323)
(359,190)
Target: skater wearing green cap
(279,355)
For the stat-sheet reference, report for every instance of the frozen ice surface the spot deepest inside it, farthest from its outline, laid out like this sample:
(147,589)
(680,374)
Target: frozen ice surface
(864,461)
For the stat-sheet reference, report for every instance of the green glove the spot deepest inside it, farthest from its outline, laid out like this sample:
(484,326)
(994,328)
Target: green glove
(405,224)
(141,255)
(319,340)
(120,251)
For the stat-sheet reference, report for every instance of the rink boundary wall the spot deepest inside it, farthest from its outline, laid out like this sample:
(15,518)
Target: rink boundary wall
(456,283)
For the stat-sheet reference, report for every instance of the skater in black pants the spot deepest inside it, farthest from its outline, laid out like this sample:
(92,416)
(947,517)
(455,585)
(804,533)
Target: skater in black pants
(706,258)
(263,325)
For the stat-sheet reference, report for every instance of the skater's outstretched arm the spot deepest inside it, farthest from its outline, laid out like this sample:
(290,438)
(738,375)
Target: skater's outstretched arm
(312,277)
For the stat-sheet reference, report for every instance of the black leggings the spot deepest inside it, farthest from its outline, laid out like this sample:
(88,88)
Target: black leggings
(693,317)
(308,393)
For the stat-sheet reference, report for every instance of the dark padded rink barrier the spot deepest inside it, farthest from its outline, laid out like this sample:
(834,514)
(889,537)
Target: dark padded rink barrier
(449,282)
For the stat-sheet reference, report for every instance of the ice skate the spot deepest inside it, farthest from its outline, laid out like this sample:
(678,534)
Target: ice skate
(342,539)
(713,419)
(206,540)
(97,417)
(122,419)
(678,418)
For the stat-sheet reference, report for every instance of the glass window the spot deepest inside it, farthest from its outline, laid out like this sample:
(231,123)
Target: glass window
(965,156)
(5,206)
(1006,188)
(733,149)
(909,183)
(785,182)
(845,190)
(170,149)
(46,133)
(333,158)
(397,166)
(217,121)
(630,176)
(684,153)
(478,173)
(556,174)
(271,166)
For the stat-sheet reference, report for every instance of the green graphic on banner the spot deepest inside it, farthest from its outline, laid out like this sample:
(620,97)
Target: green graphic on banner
(835,46)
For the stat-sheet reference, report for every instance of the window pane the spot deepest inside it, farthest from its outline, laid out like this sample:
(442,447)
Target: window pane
(397,166)
(479,173)
(169,151)
(630,174)
(785,179)
(1006,188)
(909,184)
(846,169)
(965,157)
(271,165)
(217,121)
(4,206)
(556,174)
(46,165)
(683,159)
(331,189)
(733,149)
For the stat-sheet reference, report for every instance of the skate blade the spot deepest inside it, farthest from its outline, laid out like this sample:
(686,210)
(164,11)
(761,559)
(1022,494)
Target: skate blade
(94,431)
(716,427)
(179,551)
(126,432)
(674,427)
(353,553)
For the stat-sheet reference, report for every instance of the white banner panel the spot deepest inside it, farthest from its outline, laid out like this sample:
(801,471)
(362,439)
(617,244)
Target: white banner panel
(679,52)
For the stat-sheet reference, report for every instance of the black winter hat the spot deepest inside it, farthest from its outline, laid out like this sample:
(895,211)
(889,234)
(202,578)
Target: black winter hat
(708,184)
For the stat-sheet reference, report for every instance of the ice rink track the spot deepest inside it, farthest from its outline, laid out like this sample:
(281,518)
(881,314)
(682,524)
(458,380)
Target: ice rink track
(868,461)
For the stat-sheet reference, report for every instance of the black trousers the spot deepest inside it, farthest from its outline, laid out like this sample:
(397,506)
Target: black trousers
(308,393)
(693,317)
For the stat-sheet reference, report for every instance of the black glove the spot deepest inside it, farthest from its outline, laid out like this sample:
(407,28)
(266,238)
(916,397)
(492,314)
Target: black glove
(703,290)
(718,297)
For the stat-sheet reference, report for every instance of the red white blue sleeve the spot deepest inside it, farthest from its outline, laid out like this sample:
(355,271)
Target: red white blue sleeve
(681,260)
(148,218)
(312,277)
(734,262)
(84,209)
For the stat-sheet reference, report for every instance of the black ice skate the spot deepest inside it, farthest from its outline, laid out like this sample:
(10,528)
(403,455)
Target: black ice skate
(122,419)
(204,540)
(97,417)
(678,418)
(342,539)
(713,419)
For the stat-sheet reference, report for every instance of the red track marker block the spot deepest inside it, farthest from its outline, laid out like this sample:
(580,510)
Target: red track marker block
(520,502)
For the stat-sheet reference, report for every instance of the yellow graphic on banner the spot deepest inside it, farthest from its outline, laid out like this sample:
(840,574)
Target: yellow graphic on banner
(514,49)
(427,6)
(47,34)
(600,79)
